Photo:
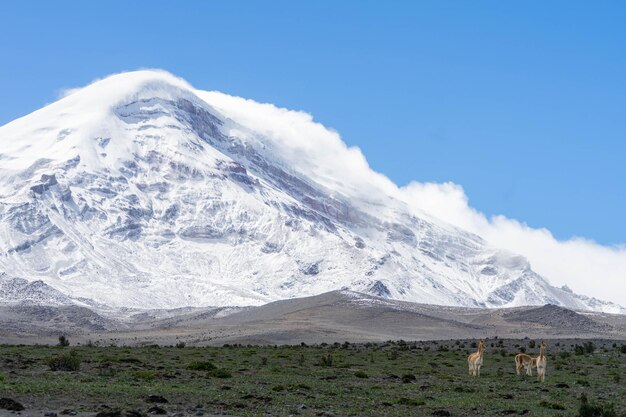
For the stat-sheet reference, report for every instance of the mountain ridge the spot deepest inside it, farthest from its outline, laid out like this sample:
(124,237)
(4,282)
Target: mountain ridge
(138,192)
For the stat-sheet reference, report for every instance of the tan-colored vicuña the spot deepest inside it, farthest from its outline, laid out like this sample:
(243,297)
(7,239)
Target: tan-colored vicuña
(525,361)
(475,360)
(541,362)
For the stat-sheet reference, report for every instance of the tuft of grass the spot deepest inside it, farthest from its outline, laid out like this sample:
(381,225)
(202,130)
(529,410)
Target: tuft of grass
(361,374)
(201,366)
(588,409)
(219,373)
(408,378)
(144,375)
(410,401)
(552,406)
(69,362)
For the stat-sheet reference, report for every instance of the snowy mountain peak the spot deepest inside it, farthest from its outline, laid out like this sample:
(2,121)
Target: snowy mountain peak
(140,191)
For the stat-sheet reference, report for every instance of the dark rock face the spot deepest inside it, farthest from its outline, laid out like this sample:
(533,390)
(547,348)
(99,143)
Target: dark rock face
(400,233)
(270,247)
(46,182)
(380,289)
(489,270)
(312,269)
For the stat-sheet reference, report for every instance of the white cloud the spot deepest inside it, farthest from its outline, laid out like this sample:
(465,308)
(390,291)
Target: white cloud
(316,150)
(586,267)
(583,265)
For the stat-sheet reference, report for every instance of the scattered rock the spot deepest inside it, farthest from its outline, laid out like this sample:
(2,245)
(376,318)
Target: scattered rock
(50,414)
(159,399)
(111,413)
(134,413)
(155,409)
(68,412)
(11,405)
(311,269)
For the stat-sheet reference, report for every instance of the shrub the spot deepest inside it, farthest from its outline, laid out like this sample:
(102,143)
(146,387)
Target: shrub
(219,373)
(180,345)
(326,360)
(144,374)
(63,341)
(588,409)
(622,349)
(552,406)
(361,374)
(589,347)
(410,401)
(65,362)
(565,354)
(201,366)
(106,368)
(2,379)
(531,344)
(407,378)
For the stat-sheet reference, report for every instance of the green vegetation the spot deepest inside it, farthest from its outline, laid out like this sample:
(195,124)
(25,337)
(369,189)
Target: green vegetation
(64,341)
(65,362)
(382,379)
(201,366)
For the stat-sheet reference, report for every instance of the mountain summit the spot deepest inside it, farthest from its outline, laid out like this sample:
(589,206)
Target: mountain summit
(141,191)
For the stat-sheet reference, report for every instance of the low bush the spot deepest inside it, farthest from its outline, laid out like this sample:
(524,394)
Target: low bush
(64,341)
(552,406)
(219,373)
(201,366)
(65,362)
(144,374)
(410,401)
(326,360)
(361,374)
(407,378)
(588,409)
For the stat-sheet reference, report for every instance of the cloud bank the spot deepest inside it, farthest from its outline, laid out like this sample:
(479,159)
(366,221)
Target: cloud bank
(583,265)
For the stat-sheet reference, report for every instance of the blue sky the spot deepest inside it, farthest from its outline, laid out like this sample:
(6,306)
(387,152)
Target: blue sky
(523,104)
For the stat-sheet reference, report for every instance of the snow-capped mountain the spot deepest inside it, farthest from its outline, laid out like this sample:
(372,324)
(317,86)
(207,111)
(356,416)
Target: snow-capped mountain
(140,191)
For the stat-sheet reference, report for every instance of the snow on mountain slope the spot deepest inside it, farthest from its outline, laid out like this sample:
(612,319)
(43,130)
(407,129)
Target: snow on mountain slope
(140,191)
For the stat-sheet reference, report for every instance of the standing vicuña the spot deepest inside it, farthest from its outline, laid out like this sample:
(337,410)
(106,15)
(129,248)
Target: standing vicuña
(475,360)
(542,361)
(525,361)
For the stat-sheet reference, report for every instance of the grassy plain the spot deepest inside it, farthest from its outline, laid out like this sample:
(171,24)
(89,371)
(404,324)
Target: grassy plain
(376,379)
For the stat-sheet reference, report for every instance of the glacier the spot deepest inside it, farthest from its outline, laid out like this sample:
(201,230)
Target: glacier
(140,191)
